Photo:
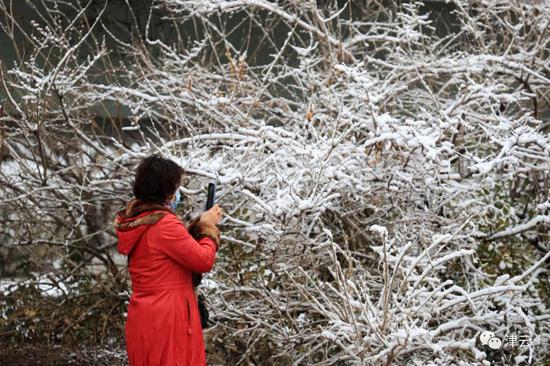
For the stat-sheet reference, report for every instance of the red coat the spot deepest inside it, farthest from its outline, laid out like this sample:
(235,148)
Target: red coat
(163,326)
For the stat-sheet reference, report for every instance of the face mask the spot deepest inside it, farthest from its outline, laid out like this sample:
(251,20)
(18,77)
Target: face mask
(174,204)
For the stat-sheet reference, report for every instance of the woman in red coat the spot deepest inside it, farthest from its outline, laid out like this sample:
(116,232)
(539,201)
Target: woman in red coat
(163,327)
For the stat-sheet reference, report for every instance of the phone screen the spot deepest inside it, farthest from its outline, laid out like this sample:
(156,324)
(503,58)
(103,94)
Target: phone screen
(211,196)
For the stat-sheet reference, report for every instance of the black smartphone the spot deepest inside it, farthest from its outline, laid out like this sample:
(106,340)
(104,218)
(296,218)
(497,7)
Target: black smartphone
(211,196)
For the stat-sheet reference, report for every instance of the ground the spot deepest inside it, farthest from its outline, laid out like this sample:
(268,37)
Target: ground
(57,355)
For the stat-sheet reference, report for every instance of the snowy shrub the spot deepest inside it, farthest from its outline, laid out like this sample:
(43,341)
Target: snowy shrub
(384,167)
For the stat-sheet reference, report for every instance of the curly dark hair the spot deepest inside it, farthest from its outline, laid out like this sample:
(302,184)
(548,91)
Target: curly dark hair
(157,179)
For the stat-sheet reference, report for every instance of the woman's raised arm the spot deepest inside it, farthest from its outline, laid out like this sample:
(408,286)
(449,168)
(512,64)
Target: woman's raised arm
(177,243)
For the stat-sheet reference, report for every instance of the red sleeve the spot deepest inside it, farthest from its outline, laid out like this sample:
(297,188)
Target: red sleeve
(176,242)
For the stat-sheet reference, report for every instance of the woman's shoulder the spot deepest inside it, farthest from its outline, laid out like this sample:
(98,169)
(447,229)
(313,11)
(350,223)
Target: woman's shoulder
(170,218)
(168,226)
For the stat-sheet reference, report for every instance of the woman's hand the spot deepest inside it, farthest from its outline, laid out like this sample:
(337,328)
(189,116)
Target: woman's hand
(212,216)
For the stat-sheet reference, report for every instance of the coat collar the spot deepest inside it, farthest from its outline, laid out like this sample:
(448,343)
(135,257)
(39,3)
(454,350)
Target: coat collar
(131,222)
(138,213)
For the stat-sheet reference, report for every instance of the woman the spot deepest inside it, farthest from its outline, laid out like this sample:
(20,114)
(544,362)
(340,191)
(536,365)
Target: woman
(163,327)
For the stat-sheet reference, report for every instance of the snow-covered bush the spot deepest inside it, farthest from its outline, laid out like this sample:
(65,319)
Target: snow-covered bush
(384,168)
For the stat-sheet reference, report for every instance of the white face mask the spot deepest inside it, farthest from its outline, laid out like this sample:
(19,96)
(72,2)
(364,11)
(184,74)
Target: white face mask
(174,203)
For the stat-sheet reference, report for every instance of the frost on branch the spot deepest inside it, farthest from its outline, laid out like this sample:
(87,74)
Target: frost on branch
(384,169)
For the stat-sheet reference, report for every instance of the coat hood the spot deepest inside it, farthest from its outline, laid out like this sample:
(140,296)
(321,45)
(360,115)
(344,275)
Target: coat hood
(131,222)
